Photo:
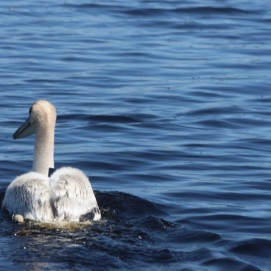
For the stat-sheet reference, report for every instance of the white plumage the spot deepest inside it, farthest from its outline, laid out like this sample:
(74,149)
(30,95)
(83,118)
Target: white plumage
(65,196)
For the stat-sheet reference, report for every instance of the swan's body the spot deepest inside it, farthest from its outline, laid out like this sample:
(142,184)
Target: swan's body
(65,196)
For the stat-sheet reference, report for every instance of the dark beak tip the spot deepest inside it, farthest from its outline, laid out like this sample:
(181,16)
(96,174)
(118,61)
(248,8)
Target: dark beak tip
(15,136)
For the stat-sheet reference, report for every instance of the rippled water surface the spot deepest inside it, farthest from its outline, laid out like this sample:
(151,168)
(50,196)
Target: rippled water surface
(166,107)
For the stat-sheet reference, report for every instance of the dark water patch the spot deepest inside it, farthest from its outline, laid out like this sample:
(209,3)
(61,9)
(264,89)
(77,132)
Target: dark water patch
(122,205)
(207,93)
(216,111)
(71,117)
(227,263)
(199,27)
(154,223)
(98,164)
(191,11)
(110,123)
(233,223)
(215,123)
(248,122)
(263,99)
(45,81)
(259,184)
(111,118)
(259,248)
(81,59)
(217,10)
(255,144)
(151,178)
(106,128)
(90,7)
(186,236)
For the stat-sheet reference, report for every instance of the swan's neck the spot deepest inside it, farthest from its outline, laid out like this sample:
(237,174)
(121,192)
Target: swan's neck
(44,150)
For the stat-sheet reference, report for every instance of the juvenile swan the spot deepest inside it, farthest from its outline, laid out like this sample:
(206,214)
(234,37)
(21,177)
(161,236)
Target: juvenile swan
(66,195)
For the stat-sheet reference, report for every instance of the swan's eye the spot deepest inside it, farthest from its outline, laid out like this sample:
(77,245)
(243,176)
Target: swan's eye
(30,110)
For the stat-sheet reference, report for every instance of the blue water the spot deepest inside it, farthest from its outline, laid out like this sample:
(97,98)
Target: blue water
(166,107)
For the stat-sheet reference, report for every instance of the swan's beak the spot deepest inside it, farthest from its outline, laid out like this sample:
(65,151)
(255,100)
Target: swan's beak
(26,129)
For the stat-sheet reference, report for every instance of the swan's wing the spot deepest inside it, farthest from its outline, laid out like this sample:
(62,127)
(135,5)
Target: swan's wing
(72,195)
(29,196)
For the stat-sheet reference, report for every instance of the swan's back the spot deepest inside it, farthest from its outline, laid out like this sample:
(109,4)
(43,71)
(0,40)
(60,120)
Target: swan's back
(66,196)
(72,195)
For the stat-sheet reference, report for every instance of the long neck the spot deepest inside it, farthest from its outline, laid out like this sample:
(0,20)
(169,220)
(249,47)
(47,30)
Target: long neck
(44,150)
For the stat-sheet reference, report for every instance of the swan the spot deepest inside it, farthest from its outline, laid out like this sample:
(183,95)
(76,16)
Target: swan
(66,195)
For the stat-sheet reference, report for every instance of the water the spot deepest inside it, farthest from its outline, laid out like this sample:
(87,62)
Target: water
(166,107)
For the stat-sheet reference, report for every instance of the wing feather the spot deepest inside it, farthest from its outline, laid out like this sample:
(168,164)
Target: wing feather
(72,195)
(29,196)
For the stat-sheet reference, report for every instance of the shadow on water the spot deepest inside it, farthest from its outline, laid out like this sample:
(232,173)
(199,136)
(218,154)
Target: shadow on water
(134,233)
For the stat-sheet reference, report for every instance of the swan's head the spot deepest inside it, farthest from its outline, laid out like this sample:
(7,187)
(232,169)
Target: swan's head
(42,115)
